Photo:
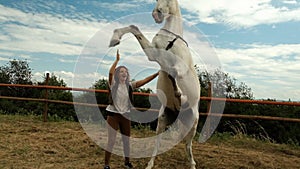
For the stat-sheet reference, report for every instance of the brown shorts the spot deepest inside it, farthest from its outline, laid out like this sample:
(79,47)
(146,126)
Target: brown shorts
(119,121)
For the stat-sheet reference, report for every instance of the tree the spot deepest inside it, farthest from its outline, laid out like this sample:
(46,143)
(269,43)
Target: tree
(101,84)
(223,85)
(16,72)
(58,110)
(4,77)
(227,86)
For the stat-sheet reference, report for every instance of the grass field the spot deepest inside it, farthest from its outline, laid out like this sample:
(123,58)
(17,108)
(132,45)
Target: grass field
(27,142)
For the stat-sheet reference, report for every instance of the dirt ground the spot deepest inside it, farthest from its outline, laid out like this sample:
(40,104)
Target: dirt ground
(29,143)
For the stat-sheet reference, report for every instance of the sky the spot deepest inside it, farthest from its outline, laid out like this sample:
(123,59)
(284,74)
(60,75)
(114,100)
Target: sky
(255,41)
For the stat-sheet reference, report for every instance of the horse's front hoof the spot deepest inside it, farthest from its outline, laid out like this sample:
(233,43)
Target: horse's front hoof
(114,42)
(177,94)
(134,27)
(148,167)
(184,99)
(193,167)
(150,164)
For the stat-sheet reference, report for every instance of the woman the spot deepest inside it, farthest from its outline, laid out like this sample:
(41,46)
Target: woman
(119,106)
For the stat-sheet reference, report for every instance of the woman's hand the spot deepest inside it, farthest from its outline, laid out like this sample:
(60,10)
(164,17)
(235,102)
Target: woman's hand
(118,56)
(113,67)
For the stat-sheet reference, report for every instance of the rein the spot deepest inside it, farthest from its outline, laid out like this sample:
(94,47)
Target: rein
(171,43)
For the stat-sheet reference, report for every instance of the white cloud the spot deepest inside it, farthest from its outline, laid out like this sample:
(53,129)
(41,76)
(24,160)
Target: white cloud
(132,5)
(144,1)
(44,32)
(271,71)
(246,13)
(67,77)
(118,6)
(67,60)
(290,2)
(23,32)
(4,59)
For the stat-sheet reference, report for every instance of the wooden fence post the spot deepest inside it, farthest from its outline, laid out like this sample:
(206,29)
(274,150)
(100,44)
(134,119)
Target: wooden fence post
(45,115)
(208,109)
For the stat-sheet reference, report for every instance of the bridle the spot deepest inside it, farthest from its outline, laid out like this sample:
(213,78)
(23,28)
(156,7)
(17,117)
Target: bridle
(171,43)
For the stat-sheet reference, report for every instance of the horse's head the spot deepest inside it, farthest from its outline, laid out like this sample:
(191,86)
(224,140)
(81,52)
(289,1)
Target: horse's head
(163,9)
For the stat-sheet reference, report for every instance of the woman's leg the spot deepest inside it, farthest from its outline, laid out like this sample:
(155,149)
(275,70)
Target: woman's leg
(112,127)
(125,125)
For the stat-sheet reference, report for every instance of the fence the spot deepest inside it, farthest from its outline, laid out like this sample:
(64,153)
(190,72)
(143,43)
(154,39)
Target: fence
(208,99)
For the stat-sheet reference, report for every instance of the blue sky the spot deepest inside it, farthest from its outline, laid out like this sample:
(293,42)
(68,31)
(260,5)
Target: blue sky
(256,41)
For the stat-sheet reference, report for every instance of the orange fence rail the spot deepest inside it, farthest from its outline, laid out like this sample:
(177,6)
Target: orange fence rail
(209,99)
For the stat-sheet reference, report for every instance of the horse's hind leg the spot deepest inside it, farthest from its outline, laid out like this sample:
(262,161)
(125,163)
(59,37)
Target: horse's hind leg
(189,140)
(188,147)
(178,93)
(176,88)
(161,125)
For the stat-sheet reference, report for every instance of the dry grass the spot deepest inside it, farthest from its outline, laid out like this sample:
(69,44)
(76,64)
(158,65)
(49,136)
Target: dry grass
(27,142)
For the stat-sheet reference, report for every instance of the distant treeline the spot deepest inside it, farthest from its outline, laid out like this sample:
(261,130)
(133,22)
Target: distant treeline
(19,72)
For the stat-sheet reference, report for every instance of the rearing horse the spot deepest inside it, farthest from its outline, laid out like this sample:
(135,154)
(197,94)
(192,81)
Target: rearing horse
(178,87)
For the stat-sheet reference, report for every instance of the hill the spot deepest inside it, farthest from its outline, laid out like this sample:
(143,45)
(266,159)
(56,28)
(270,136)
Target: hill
(27,142)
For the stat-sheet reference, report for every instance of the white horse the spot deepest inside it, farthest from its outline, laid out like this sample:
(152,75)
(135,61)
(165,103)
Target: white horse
(178,85)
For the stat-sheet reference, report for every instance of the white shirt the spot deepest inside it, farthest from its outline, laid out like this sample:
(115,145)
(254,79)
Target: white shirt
(121,102)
